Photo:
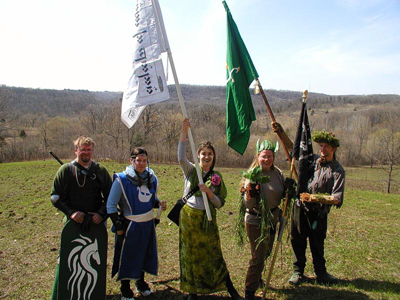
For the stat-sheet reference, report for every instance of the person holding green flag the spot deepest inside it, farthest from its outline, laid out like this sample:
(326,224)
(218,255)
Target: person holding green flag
(263,187)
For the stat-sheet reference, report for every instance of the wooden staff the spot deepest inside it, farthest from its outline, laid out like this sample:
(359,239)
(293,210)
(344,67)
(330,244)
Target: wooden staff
(280,233)
(161,27)
(288,156)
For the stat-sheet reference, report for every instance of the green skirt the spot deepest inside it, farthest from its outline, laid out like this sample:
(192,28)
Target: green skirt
(203,269)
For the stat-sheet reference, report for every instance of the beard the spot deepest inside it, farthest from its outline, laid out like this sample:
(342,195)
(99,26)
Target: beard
(85,159)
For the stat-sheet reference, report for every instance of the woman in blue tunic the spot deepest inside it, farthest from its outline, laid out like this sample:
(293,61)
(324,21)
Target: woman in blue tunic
(135,192)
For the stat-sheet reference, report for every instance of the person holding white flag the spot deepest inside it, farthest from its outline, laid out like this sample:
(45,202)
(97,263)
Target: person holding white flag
(203,268)
(147,84)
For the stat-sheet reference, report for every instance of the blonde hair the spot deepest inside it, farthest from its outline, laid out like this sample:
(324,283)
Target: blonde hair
(83,140)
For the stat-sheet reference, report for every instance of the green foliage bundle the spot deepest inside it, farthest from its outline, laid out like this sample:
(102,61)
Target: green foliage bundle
(255,175)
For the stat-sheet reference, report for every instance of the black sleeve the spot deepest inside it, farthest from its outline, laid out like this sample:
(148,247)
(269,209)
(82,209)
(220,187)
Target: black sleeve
(116,221)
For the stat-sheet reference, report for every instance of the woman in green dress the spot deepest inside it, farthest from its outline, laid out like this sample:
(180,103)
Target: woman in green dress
(203,268)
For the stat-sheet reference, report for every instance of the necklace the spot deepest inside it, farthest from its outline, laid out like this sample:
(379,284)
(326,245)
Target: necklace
(77,180)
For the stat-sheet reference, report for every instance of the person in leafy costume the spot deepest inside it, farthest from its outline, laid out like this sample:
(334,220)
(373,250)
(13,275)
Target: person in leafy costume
(310,220)
(203,268)
(262,188)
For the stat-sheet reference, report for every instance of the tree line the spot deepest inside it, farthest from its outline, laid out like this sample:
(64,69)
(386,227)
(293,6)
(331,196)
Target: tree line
(34,122)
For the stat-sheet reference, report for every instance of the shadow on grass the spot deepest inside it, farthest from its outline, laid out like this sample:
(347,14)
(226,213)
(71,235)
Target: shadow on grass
(170,294)
(373,285)
(320,292)
(314,291)
(310,290)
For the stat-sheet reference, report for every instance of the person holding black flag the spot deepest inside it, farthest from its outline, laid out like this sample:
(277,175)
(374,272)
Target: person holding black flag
(324,189)
(320,186)
(260,212)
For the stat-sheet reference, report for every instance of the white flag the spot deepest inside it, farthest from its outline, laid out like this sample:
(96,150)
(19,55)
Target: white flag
(147,84)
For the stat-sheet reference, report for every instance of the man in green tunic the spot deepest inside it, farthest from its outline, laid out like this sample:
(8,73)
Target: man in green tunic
(80,190)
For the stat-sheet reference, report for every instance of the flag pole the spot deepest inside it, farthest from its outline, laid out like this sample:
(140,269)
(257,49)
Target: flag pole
(280,233)
(182,104)
(191,141)
(288,156)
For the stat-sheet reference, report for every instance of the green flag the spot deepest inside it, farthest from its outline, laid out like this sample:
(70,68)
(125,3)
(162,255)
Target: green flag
(240,74)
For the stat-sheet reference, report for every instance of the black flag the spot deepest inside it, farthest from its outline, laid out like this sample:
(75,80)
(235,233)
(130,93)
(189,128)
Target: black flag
(303,151)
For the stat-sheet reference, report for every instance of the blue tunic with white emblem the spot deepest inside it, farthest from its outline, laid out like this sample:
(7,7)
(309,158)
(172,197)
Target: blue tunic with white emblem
(136,202)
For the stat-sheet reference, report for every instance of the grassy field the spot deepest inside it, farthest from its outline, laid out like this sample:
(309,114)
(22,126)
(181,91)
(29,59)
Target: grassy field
(362,248)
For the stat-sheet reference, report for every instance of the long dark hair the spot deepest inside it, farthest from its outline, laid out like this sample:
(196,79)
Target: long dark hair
(134,153)
(208,144)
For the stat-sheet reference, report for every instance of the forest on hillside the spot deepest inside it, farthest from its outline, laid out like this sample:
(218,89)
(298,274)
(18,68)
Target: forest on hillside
(35,121)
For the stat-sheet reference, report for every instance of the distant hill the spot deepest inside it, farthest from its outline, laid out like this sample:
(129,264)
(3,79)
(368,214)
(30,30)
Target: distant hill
(69,102)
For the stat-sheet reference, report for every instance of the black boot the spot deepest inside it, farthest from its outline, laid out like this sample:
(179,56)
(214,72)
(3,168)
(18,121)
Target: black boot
(142,286)
(126,291)
(231,289)
(250,295)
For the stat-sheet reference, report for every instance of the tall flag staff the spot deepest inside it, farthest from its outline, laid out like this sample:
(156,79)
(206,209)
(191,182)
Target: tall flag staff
(282,226)
(287,153)
(303,152)
(239,107)
(147,84)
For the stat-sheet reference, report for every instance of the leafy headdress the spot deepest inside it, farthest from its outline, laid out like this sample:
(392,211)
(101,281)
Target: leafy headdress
(325,137)
(266,145)
(254,176)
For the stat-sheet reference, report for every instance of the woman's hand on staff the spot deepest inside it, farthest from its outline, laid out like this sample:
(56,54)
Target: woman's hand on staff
(185,129)
(204,188)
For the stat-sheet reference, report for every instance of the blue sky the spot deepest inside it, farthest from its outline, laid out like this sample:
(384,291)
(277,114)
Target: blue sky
(328,46)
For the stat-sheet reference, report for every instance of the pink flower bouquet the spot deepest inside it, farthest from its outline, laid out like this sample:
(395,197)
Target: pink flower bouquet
(215,179)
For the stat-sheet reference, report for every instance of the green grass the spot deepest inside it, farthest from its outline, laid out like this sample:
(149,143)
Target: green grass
(362,247)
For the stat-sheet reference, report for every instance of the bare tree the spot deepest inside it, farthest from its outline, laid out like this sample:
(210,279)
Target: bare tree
(362,127)
(7,114)
(94,117)
(390,148)
(150,118)
(170,131)
(372,149)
